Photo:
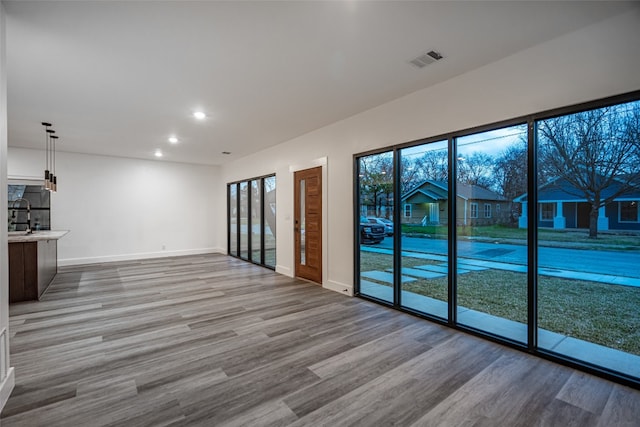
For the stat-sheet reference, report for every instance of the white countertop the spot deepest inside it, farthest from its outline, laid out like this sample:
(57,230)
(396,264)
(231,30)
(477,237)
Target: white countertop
(21,237)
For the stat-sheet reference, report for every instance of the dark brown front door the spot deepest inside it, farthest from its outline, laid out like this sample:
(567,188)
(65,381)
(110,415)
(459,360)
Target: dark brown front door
(308,223)
(584,210)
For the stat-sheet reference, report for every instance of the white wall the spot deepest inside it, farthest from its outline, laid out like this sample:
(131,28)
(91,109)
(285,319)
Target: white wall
(6,373)
(595,62)
(119,209)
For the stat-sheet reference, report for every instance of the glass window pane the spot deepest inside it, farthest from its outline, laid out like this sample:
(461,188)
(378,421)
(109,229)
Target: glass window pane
(376,203)
(256,223)
(424,184)
(589,236)
(303,242)
(244,220)
(492,249)
(629,211)
(233,219)
(270,221)
(38,199)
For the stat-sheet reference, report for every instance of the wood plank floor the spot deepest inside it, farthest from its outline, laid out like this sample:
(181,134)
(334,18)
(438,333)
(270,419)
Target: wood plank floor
(214,341)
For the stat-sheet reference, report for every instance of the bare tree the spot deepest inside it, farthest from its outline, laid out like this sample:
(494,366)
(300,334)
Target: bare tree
(476,169)
(596,152)
(510,171)
(410,174)
(435,165)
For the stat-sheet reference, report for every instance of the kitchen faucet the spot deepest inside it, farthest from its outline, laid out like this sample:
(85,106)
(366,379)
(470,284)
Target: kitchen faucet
(13,202)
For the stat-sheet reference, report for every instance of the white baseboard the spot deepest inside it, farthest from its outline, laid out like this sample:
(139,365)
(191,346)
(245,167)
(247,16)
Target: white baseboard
(7,387)
(285,271)
(131,257)
(339,287)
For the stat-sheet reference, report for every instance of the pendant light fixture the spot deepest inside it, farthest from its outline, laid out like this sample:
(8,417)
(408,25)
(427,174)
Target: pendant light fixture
(50,178)
(47,175)
(50,134)
(54,178)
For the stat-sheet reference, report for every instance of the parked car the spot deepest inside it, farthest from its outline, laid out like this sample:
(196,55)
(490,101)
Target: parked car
(371,232)
(387,223)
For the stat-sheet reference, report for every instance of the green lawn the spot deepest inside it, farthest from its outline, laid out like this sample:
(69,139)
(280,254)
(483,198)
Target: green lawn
(594,312)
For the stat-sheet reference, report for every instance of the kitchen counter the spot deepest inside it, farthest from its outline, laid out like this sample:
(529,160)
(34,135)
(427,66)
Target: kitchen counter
(21,237)
(33,263)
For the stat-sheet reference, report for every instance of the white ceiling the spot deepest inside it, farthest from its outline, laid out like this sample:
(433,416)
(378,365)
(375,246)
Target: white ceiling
(118,78)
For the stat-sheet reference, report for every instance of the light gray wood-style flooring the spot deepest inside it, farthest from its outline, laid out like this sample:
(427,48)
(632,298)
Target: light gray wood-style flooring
(210,340)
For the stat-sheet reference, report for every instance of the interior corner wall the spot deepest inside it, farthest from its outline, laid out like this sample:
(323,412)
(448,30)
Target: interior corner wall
(591,63)
(122,209)
(6,372)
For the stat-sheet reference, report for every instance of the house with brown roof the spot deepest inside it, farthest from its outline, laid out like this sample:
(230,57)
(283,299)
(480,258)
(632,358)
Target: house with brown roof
(426,204)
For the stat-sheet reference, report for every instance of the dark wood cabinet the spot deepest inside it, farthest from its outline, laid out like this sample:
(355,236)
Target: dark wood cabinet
(32,267)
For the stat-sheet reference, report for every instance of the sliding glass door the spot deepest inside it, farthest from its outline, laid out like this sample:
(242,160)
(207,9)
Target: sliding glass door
(588,189)
(243,220)
(375,247)
(269,223)
(256,222)
(232,213)
(251,210)
(527,232)
(491,262)
(424,216)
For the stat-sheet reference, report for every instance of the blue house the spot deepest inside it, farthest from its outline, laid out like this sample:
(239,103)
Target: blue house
(562,206)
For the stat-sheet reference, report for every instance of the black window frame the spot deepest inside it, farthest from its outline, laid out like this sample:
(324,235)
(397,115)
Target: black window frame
(533,218)
(260,179)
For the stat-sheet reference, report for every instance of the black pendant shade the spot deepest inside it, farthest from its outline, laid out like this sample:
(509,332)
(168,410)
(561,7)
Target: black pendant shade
(52,176)
(50,179)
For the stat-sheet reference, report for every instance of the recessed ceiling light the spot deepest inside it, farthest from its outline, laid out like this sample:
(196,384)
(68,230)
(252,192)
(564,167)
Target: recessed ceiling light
(158,153)
(199,115)
(173,140)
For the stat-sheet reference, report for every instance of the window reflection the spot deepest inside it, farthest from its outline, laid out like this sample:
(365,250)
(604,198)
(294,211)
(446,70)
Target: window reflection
(492,262)
(270,221)
(233,219)
(375,205)
(244,220)
(583,251)
(39,202)
(589,236)
(256,221)
(424,182)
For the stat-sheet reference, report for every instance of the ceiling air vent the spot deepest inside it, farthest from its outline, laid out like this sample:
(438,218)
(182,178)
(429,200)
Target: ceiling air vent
(426,59)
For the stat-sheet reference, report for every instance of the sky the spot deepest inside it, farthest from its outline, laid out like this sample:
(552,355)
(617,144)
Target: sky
(493,142)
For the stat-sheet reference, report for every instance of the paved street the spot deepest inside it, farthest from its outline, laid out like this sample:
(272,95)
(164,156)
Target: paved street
(625,264)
